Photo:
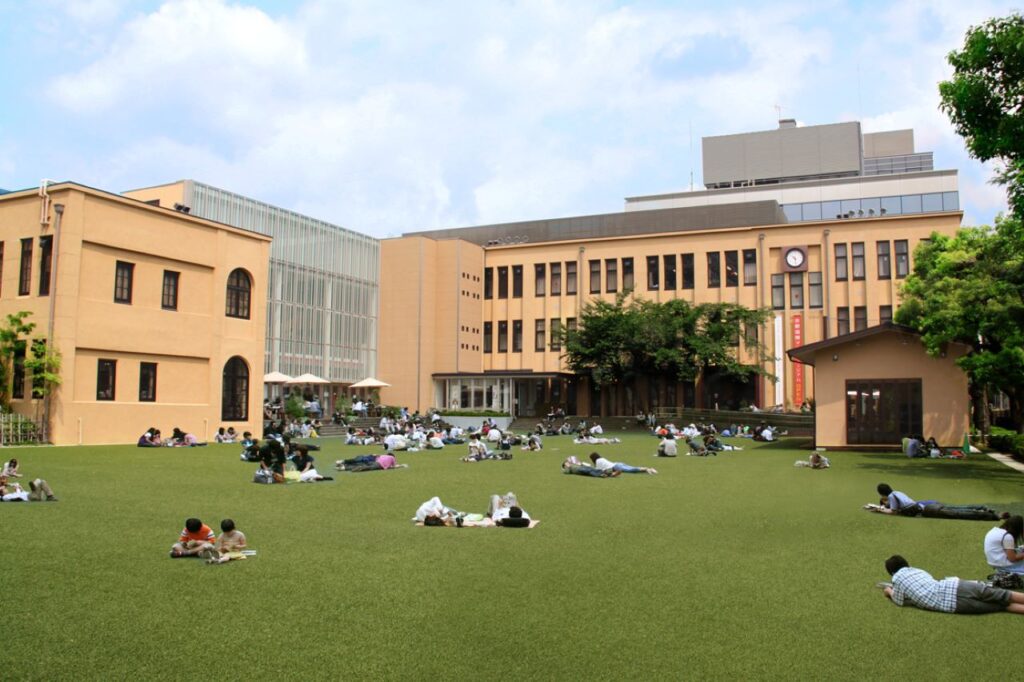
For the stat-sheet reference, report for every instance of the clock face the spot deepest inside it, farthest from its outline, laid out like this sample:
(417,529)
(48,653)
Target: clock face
(794,258)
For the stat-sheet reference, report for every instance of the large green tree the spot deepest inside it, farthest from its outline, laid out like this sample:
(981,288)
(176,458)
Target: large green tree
(969,289)
(616,342)
(985,99)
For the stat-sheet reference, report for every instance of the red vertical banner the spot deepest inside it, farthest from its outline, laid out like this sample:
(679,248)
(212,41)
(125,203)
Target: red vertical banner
(798,369)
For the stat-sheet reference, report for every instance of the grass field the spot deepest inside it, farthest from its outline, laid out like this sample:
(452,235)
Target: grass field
(737,566)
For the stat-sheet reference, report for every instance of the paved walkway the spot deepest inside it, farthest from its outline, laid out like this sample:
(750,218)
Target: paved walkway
(1007,460)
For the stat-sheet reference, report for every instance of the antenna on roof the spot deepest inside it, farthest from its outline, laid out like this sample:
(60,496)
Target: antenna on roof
(690,125)
(44,208)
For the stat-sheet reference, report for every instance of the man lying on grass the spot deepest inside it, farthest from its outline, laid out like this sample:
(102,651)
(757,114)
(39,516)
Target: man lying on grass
(572,466)
(605,464)
(914,587)
(502,510)
(369,463)
(896,502)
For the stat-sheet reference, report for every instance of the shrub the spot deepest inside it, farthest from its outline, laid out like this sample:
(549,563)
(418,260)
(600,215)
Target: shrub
(1007,442)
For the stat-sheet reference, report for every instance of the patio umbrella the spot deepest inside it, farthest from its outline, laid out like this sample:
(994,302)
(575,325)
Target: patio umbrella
(275,378)
(307,379)
(370,382)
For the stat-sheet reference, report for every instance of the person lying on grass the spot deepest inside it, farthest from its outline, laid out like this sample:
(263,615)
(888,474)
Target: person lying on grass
(572,466)
(303,462)
(815,461)
(433,512)
(504,510)
(605,464)
(13,492)
(914,587)
(896,502)
(229,545)
(588,439)
(196,539)
(369,463)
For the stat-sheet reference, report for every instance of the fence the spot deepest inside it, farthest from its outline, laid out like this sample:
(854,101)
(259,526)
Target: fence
(16,429)
(796,424)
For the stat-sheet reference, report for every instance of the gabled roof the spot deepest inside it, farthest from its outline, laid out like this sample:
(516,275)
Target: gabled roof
(805,354)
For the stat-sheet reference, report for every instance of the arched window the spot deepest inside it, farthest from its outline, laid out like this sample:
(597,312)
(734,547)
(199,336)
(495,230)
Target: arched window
(235,391)
(239,292)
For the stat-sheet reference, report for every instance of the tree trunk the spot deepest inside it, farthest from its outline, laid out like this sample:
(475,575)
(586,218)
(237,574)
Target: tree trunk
(979,409)
(1016,416)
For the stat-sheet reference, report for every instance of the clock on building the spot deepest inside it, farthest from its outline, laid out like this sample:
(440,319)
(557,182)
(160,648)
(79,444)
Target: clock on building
(796,258)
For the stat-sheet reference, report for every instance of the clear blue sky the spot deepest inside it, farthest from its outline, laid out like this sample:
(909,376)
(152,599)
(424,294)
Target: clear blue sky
(397,116)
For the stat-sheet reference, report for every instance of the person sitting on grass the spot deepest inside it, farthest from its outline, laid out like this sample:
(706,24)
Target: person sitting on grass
(150,439)
(10,469)
(667,446)
(572,466)
(914,587)
(533,443)
(229,544)
(1002,546)
(434,442)
(478,451)
(896,502)
(605,464)
(697,448)
(303,462)
(272,460)
(196,539)
(222,436)
(369,463)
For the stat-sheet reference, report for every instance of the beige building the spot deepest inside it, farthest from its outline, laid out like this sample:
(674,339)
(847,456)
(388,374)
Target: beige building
(878,385)
(159,316)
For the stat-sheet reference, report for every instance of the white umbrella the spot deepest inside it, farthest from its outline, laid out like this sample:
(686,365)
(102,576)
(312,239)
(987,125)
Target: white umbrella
(307,379)
(275,378)
(369,382)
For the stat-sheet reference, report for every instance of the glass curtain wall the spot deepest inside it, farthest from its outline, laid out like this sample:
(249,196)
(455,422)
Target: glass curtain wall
(322,302)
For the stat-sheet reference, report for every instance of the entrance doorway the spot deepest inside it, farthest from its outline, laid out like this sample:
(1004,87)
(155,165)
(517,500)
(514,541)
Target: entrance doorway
(882,412)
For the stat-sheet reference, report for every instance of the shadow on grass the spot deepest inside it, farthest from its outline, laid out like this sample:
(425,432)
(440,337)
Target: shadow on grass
(939,468)
(788,443)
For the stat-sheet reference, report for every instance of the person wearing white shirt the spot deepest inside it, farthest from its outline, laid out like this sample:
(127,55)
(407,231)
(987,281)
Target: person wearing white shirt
(1002,546)
(667,446)
(494,435)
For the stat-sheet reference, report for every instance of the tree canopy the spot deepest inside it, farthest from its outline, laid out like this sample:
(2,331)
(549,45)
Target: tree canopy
(985,99)
(970,289)
(618,341)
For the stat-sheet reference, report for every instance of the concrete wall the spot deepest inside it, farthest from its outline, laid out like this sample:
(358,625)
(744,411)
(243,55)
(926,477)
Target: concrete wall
(190,345)
(889,143)
(892,355)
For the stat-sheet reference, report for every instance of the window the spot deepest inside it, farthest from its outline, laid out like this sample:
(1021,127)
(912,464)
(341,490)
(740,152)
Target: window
(732,269)
(1,262)
(45,264)
(556,279)
(653,277)
(595,276)
(124,273)
(570,325)
(503,336)
(169,296)
(147,382)
(488,283)
(902,259)
(488,336)
(540,336)
(842,321)
(884,271)
(882,411)
(38,382)
(749,334)
(714,269)
(860,318)
(627,274)
(239,292)
(570,278)
(749,267)
(841,272)
(540,278)
(106,379)
(687,260)
(556,334)
(778,292)
(18,370)
(503,282)
(796,290)
(885,313)
(857,250)
(517,336)
(670,272)
(611,275)
(517,281)
(814,299)
(25,278)
(235,391)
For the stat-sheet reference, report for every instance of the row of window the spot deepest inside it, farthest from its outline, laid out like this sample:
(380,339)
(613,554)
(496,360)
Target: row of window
(239,289)
(234,393)
(25,266)
(18,369)
(860,318)
(542,341)
(855,256)
(905,204)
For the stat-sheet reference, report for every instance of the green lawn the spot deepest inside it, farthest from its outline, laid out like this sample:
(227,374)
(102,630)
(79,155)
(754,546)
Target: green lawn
(737,566)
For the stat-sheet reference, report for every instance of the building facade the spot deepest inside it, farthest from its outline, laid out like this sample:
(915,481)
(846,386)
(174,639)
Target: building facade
(158,316)
(492,335)
(323,288)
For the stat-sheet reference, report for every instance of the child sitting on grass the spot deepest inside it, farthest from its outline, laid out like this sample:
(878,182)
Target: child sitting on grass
(196,539)
(229,545)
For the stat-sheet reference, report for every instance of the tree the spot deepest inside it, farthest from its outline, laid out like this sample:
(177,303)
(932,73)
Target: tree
(970,289)
(11,342)
(616,342)
(985,99)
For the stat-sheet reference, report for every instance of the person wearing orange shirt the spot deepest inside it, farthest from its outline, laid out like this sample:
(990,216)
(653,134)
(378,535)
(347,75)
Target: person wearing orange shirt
(196,539)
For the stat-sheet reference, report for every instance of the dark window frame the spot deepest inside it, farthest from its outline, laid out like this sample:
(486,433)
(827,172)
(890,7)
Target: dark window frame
(540,335)
(45,264)
(749,267)
(503,336)
(571,278)
(653,273)
(688,280)
(860,317)
(884,314)
(901,247)
(714,259)
(611,275)
(517,281)
(732,269)
(238,298)
(124,282)
(517,336)
(235,385)
(814,285)
(842,320)
(668,274)
(147,382)
(628,276)
(797,299)
(502,275)
(857,261)
(842,263)
(488,336)
(594,280)
(882,251)
(169,290)
(488,283)
(556,279)
(778,291)
(25,272)
(556,333)
(540,279)
(106,379)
